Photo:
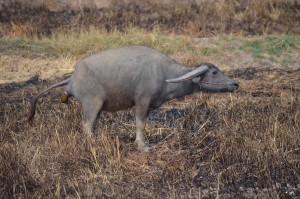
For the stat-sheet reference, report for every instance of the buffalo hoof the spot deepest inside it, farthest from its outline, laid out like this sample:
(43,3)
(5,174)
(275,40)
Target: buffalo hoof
(141,146)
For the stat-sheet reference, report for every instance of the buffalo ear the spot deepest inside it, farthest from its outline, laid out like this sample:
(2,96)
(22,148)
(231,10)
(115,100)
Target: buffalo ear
(196,80)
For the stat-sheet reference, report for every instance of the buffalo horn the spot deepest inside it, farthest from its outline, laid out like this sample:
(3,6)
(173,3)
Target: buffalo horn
(190,75)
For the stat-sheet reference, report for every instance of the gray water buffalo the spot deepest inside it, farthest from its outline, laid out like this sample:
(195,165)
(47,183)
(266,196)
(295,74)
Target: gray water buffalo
(137,76)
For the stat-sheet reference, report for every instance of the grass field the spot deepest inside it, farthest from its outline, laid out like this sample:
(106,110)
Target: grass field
(244,144)
(233,145)
(23,57)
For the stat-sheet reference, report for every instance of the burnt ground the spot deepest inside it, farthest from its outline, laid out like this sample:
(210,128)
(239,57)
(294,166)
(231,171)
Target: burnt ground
(206,18)
(239,145)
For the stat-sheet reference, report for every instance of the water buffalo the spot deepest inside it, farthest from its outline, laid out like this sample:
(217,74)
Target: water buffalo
(137,76)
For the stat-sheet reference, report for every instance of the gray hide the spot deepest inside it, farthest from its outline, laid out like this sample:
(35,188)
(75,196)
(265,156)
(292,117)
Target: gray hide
(137,76)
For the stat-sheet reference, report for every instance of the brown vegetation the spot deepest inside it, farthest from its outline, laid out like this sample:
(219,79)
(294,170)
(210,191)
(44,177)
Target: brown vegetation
(203,17)
(239,145)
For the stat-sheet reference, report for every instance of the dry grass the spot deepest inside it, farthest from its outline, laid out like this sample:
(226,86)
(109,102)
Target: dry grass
(253,17)
(243,144)
(77,44)
(239,145)
(22,58)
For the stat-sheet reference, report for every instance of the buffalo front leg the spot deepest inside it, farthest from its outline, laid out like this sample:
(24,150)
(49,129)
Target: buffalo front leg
(91,109)
(141,116)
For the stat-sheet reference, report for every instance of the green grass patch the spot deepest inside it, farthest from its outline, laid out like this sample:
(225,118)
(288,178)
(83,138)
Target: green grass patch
(209,51)
(275,45)
(26,47)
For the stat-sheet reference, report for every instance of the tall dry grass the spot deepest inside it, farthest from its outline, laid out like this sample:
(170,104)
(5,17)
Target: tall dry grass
(253,17)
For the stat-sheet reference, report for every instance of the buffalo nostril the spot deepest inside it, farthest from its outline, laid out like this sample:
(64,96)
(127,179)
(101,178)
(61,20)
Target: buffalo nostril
(236,84)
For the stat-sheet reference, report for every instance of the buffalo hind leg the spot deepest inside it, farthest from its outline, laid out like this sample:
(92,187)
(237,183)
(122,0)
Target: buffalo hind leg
(66,94)
(91,109)
(142,111)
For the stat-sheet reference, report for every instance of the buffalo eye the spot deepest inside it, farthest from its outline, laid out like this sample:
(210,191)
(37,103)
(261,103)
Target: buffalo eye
(214,72)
